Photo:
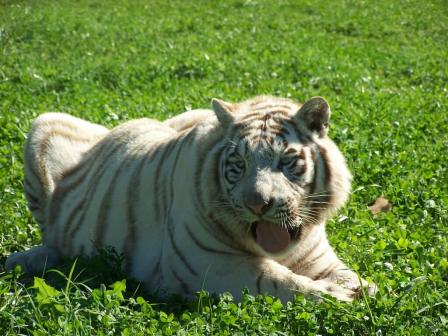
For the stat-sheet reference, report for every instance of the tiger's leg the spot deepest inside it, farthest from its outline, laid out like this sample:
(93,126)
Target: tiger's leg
(260,276)
(324,266)
(349,279)
(35,260)
(284,283)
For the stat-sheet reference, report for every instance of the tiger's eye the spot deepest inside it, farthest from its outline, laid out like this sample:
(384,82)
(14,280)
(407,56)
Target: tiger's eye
(239,164)
(288,162)
(235,168)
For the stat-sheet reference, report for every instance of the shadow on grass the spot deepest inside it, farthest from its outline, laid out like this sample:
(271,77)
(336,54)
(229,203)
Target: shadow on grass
(103,273)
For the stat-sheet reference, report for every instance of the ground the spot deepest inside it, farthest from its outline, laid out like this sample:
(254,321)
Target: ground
(382,65)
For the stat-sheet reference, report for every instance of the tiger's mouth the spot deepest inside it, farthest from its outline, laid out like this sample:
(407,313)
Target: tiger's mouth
(272,237)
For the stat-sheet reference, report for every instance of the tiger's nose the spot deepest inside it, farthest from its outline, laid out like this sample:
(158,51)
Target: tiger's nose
(257,203)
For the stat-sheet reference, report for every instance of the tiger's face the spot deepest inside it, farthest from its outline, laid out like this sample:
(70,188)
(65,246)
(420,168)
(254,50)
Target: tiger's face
(272,170)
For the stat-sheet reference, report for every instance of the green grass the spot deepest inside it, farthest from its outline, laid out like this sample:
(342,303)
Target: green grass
(381,64)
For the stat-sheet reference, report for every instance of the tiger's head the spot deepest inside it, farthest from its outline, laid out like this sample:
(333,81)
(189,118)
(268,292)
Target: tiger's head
(279,171)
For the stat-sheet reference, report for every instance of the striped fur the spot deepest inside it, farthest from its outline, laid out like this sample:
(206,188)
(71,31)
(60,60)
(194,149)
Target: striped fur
(231,197)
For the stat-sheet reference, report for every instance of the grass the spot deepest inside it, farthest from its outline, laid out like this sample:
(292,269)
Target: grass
(381,64)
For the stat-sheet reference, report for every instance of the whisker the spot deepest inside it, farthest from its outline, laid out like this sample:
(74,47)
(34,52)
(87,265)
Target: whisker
(319,202)
(315,209)
(316,195)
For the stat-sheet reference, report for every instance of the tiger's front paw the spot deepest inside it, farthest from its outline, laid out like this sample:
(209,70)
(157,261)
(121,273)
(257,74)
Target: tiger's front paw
(368,288)
(350,280)
(337,291)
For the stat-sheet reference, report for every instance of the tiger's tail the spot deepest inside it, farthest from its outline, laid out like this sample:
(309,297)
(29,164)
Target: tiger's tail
(56,143)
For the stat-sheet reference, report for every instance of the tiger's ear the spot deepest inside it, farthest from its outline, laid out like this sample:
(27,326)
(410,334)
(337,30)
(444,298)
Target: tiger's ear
(223,111)
(315,115)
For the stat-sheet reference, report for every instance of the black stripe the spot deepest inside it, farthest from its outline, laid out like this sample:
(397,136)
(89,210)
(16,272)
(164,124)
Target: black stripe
(189,136)
(215,230)
(31,198)
(259,278)
(328,174)
(276,112)
(132,193)
(62,191)
(313,184)
(33,207)
(265,122)
(201,200)
(312,261)
(232,241)
(156,270)
(325,273)
(275,284)
(222,229)
(324,156)
(179,145)
(283,140)
(304,136)
(28,184)
(264,115)
(248,131)
(103,214)
(202,246)
(102,219)
(30,169)
(174,169)
(87,200)
(41,152)
(176,249)
(181,281)
(249,116)
(297,169)
(166,148)
(318,202)
(218,231)
(105,155)
(234,170)
(278,128)
(249,120)
(199,168)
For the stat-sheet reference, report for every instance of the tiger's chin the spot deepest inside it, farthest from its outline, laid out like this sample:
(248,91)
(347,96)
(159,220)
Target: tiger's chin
(272,237)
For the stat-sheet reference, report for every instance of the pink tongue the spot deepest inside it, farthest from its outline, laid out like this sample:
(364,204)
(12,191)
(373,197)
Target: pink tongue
(271,237)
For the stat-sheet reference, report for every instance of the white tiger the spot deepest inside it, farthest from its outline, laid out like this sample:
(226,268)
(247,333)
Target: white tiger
(216,199)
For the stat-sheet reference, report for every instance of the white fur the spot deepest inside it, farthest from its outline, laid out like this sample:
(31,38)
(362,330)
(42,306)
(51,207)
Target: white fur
(94,187)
